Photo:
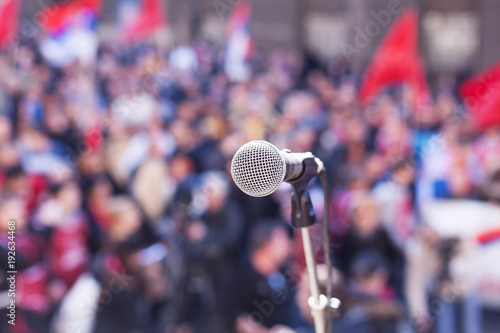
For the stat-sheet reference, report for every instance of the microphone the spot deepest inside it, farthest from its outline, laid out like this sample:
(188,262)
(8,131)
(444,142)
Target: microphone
(258,167)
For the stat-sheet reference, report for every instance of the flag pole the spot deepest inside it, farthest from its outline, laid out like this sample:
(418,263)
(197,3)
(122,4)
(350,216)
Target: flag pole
(92,117)
(15,37)
(159,48)
(160,51)
(406,99)
(93,107)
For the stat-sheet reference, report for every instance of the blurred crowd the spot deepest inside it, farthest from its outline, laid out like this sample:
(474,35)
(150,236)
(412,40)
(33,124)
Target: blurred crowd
(117,177)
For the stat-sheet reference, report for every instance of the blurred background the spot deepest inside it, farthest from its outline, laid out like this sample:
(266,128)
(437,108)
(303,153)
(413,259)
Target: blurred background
(119,120)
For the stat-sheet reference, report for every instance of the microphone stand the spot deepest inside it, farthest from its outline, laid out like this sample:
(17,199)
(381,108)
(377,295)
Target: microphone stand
(303,217)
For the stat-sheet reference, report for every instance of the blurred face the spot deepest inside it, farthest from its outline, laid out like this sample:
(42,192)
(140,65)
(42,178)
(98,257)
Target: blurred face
(13,209)
(25,57)
(56,122)
(70,197)
(100,192)
(366,219)
(216,197)
(374,167)
(18,186)
(183,134)
(305,138)
(405,175)
(279,247)
(393,138)
(187,111)
(181,167)
(9,155)
(428,235)
(215,191)
(460,185)
(125,223)
(356,132)
(5,128)
(92,163)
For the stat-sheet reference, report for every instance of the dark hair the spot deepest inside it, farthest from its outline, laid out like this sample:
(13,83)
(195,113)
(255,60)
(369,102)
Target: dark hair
(14,172)
(56,187)
(262,232)
(402,164)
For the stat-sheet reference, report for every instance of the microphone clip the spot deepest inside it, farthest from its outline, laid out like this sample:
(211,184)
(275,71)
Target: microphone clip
(302,208)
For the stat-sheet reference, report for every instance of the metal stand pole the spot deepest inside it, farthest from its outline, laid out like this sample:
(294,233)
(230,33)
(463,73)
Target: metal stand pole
(303,217)
(317,301)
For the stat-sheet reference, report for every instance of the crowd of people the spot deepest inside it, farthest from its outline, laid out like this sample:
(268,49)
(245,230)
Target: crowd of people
(118,174)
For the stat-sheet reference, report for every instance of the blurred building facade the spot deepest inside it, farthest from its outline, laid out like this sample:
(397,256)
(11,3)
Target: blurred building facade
(456,35)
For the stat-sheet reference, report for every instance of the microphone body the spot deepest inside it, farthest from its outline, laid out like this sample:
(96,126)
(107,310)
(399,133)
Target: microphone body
(294,164)
(258,167)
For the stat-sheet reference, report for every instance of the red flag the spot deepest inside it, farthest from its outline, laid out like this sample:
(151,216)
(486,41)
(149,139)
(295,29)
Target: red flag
(59,16)
(481,95)
(397,61)
(9,17)
(150,18)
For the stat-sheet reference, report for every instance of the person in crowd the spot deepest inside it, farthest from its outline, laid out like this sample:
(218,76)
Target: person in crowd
(369,293)
(364,304)
(21,251)
(439,282)
(66,227)
(265,290)
(213,243)
(395,197)
(366,233)
(450,167)
(130,271)
(96,198)
(342,200)
(350,154)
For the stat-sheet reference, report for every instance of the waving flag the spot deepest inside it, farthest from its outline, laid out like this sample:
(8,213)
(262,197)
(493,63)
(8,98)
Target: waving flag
(238,42)
(481,95)
(143,22)
(71,32)
(9,17)
(397,61)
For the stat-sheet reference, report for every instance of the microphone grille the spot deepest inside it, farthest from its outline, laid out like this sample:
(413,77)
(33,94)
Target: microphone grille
(258,168)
